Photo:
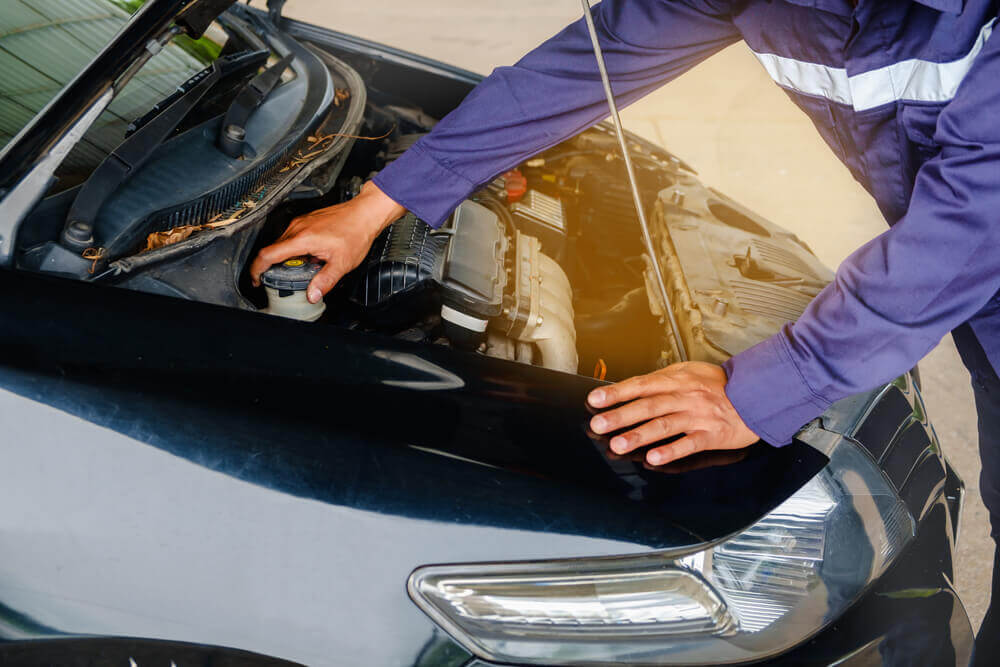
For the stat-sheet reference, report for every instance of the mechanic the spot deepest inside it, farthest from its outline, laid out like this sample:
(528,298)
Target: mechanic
(907,93)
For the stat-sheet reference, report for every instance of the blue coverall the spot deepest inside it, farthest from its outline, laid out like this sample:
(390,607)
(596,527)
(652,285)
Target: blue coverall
(906,93)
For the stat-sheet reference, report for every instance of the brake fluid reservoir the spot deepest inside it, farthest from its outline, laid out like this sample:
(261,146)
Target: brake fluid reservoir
(286,285)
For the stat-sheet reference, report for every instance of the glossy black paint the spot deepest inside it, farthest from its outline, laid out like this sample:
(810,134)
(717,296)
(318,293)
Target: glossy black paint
(457,457)
(322,414)
(129,360)
(101,652)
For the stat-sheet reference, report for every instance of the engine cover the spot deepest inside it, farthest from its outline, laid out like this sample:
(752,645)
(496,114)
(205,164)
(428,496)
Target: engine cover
(412,268)
(735,278)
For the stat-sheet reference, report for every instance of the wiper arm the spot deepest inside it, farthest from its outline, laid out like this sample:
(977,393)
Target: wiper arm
(232,135)
(148,133)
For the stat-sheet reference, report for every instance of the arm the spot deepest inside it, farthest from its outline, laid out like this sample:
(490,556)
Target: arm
(897,296)
(551,94)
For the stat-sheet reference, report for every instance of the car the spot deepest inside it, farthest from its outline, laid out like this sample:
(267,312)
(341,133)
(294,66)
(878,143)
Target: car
(200,471)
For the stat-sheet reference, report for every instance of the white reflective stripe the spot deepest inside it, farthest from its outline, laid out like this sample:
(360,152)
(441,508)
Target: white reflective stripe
(808,78)
(909,80)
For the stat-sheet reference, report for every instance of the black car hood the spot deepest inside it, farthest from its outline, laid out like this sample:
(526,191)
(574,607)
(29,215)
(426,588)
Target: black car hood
(189,447)
(331,409)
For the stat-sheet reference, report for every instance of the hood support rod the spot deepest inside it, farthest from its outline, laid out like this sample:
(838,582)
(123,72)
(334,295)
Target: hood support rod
(643,223)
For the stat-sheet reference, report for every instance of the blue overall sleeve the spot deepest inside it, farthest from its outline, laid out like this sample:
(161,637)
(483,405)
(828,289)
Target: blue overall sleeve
(898,295)
(551,94)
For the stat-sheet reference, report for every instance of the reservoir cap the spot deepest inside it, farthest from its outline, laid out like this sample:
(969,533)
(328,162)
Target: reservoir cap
(292,275)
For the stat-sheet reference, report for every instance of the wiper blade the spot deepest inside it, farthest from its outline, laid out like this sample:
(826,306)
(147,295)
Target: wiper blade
(232,135)
(149,132)
(232,64)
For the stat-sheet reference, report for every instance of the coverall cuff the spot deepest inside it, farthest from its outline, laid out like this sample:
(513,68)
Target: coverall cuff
(768,391)
(424,186)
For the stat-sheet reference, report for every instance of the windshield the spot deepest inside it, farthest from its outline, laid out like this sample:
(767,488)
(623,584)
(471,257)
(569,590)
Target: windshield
(45,43)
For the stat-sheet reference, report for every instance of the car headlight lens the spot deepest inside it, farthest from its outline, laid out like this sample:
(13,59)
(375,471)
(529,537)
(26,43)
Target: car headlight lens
(750,596)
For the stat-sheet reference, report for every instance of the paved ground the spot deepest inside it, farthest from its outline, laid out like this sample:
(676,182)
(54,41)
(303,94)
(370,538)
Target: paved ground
(745,137)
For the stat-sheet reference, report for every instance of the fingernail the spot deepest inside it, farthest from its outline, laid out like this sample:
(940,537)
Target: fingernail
(314,296)
(655,459)
(618,444)
(598,424)
(597,397)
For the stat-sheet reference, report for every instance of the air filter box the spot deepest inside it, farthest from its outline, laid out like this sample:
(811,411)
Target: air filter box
(414,271)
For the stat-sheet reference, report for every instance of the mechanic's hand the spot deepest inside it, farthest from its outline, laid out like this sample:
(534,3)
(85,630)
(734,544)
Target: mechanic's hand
(339,235)
(687,398)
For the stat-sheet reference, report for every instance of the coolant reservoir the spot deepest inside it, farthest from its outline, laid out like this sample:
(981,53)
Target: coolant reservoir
(286,285)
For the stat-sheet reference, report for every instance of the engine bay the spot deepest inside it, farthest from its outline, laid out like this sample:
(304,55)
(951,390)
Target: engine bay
(524,270)
(544,266)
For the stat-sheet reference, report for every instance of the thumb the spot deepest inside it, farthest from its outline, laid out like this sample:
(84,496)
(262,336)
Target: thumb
(324,281)
(277,252)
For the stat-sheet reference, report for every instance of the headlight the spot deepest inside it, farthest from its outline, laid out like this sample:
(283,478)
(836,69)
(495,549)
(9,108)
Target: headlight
(750,596)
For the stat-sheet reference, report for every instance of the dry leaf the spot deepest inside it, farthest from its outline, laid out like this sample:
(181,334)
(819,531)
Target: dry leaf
(171,236)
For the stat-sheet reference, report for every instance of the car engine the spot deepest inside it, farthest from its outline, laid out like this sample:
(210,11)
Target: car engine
(494,292)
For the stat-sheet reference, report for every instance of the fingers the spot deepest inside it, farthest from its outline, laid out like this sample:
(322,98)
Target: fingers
(626,390)
(324,281)
(686,446)
(293,228)
(638,411)
(652,431)
(278,252)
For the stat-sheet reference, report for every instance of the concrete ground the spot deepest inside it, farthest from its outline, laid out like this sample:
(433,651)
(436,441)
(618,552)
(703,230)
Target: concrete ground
(745,138)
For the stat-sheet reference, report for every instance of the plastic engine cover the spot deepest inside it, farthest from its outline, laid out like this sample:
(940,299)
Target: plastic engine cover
(412,267)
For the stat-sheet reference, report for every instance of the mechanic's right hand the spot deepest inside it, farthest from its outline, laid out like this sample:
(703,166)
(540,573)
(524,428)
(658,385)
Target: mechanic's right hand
(339,235)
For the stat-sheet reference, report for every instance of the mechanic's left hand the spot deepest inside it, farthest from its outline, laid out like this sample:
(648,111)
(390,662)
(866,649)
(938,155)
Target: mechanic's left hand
(687,398)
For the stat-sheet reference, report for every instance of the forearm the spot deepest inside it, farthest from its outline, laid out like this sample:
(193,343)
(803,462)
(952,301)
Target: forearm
(551,94)
(893,299)
(896,297)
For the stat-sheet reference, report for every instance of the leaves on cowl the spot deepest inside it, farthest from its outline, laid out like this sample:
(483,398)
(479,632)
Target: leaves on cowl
(158,240)
(316,146)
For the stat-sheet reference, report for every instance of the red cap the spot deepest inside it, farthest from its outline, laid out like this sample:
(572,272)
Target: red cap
(515,184)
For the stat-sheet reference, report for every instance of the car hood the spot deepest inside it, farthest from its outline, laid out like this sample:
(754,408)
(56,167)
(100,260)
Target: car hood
(178,452)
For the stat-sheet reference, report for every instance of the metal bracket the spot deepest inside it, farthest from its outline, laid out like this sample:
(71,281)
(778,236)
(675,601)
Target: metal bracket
(274,8)
(198,16)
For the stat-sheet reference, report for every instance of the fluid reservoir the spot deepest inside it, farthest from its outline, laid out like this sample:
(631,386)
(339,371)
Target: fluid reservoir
(286,285)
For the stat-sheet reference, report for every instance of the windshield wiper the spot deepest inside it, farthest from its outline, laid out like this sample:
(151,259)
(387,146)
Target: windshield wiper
(148,133)
(233,133)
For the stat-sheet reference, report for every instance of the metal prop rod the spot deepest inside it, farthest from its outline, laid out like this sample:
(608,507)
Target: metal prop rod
(646,236)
